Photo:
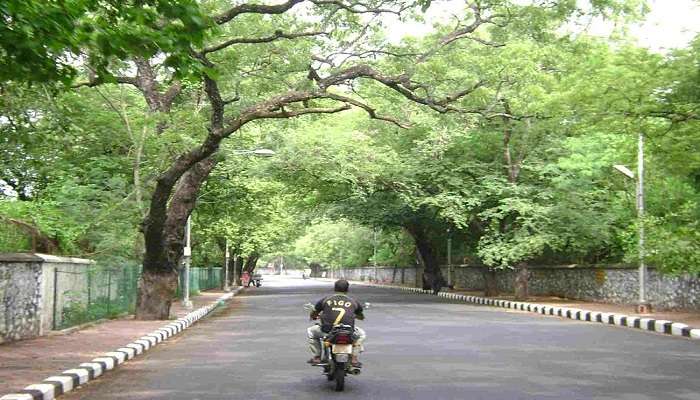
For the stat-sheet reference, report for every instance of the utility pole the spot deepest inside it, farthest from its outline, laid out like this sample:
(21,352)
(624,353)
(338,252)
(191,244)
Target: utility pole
(226,259)
(449,258)
(187,255)
(644,306)
(235,269)
(374,257)
(281,265)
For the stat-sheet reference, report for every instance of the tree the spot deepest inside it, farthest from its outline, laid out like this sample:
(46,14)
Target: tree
(251,62)
(242,205)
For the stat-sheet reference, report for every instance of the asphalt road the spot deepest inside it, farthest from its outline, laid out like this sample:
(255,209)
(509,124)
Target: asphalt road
(418,347)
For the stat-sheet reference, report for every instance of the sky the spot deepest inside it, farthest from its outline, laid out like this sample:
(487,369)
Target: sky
(670,23)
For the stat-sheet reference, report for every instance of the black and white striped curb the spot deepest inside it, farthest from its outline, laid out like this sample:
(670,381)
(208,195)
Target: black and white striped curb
(646,324)
(68,380)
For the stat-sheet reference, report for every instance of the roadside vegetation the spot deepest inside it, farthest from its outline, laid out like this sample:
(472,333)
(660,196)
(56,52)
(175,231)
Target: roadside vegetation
(498,129)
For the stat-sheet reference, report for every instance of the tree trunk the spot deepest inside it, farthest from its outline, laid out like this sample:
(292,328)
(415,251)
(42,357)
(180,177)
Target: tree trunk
(490,283)
(432,276)
(164,233)
(156,292)
(315,270)
(238,266)
(521,283)
(251,262)
(230,266)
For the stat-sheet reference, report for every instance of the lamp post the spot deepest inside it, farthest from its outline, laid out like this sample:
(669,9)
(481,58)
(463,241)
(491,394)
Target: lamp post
(256,152)
(187,255)
(226,258)
(643,305)
(449,258)
(374,257)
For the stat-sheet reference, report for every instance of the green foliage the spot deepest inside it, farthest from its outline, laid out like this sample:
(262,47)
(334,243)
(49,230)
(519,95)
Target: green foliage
(336,244)
(70,160)
(584,109)
(76,313)
(40,40)
(562,109)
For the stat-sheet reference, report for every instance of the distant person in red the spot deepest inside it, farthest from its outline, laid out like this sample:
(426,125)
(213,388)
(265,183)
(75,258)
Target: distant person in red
(245,278)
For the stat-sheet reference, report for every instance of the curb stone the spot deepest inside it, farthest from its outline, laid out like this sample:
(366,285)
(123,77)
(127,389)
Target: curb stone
(68,380)
(645,324)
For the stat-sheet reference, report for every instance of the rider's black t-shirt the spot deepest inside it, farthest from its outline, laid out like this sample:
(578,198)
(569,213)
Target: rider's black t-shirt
(337,309)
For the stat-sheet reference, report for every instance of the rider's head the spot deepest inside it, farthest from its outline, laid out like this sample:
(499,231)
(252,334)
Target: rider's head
(341,285)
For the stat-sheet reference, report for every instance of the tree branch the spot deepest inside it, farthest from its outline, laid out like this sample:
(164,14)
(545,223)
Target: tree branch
(370,111)
(400,84)
(276,112)
(267,39)
(217,103)
(248,8)
(170,94)
(93,81)
(363,8)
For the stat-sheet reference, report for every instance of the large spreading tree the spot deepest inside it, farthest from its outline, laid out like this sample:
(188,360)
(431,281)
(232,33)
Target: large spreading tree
(214,67)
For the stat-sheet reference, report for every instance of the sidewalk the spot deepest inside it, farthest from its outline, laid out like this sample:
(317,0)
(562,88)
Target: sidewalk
(26,362)
(691,319)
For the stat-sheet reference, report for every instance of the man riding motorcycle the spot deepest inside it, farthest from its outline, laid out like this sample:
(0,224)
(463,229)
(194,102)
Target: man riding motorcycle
(338,308)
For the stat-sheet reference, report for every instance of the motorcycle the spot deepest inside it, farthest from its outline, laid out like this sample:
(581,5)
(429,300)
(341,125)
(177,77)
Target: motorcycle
(255,280)
(336,352)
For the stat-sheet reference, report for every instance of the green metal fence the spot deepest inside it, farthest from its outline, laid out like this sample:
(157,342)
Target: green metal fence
(205,279)
(93,293)
(97,292)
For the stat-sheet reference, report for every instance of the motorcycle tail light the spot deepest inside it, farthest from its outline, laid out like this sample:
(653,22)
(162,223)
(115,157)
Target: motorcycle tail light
(342,339)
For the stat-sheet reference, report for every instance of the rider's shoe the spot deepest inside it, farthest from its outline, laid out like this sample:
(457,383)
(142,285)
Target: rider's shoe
(315,360)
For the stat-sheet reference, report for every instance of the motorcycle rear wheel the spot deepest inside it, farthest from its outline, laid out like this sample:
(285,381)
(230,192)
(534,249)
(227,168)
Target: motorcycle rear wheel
(339,377)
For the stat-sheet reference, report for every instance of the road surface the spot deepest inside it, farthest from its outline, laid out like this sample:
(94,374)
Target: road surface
(418,347)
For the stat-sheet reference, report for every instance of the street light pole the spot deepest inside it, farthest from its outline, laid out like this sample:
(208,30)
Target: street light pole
(374,257)
(226,259)
(187,254)
(449,258)
(256,152)
(644,306)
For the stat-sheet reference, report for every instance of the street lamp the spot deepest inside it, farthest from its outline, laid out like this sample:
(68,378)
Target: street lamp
(643,307)
(226,258)
(256,152)
(449,258)
(374,256)
(187,255)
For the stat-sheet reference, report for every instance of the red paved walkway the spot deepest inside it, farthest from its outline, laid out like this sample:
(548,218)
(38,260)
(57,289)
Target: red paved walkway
(26,362)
